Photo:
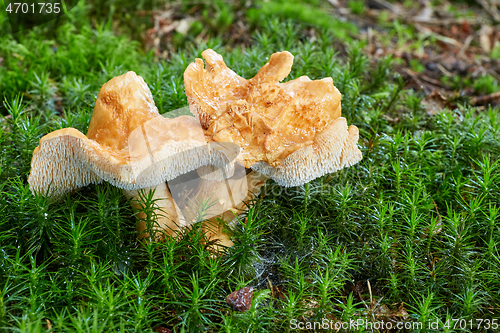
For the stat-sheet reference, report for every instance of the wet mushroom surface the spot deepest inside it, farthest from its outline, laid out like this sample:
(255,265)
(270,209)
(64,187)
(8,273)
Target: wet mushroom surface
(291,132)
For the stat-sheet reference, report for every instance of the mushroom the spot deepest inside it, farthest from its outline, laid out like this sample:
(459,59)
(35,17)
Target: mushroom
(130,145)
(206,198)
(292,132)
(240,192)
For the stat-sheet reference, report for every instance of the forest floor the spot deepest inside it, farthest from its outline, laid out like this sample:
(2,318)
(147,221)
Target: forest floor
(408,236)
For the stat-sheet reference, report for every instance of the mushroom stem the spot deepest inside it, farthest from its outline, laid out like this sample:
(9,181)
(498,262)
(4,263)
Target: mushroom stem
(214,200)
(214,230)
(168,217)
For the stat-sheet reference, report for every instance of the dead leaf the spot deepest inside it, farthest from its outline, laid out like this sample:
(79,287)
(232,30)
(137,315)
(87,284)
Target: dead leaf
(487,38)
(240,300)
(184,25)
(162,329)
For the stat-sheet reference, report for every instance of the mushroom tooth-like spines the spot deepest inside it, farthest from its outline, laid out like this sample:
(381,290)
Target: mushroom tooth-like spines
(130,146)
(351,153)
(204,113)
(56,167)
(333,149)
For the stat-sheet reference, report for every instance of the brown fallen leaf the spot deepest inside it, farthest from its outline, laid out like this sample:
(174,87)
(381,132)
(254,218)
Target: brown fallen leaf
(162,329)
(487,38)
(240,300)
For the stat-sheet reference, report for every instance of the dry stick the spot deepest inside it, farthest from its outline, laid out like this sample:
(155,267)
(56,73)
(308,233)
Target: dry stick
(445,22)
(417,80)
(490,9)
(492,72)
(362,300)
(431,81)
(370,38)
(373,307)
(439,37)
(443,70)
(387,5)
(481,100)
(425,78)
(465,46)
(270,287)
(370,290)
(432,21)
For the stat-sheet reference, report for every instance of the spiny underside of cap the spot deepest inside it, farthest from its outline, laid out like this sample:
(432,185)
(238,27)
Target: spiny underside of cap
(334,149)
(57,166)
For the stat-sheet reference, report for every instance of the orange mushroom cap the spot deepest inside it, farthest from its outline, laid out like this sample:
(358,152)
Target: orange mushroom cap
(292,132)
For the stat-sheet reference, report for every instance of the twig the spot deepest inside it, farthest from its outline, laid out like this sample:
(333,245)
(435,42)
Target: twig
(443,70)
(270,287)
(445,22)
(490,71)
(386,5)
(490,9)
(431,81)
(465,46)
(439,37)
(481,100)
(370,39)
(362,300)
(417,80)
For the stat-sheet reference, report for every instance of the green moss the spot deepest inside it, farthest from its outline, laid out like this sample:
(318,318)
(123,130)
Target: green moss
(486,84)
(356,7)
(301,12)
(417,217)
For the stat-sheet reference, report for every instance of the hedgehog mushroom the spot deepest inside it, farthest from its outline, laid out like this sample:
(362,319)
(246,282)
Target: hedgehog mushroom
(292,132)
(130,145)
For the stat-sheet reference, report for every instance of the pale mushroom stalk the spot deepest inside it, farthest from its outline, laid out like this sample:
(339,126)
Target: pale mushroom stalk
(167,215)
(214,200)
(248,188)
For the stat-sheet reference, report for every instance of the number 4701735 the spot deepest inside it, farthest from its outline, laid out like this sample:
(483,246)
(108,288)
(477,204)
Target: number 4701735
(38,8)
(472,324)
